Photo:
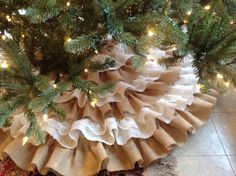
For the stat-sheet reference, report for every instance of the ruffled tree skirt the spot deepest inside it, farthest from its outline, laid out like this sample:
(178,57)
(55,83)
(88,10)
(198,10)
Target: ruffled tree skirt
(143,119)
(89,157)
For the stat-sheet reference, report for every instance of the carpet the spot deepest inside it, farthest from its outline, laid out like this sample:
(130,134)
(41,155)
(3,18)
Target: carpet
(164,167)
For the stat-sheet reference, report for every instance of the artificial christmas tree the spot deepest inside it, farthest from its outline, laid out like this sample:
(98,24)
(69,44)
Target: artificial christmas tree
(82,88)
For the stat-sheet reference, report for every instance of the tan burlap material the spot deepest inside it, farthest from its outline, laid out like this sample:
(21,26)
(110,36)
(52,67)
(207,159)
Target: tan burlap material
(145,127)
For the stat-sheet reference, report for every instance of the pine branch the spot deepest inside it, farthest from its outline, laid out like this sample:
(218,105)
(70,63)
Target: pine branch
(58,111)
(45,98)
(79,45)
(34,129)
(98,66)
(138,62)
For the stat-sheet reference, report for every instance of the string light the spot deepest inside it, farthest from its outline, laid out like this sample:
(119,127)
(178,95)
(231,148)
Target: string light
(8,18)
(207,7)
(4,37)
(93,103)
(150,33)
(185,21)
(68,39)
(25,140)
(45,117)
(4,64)
(231,22)
(227,84)
(22,11)
(86,70)
(189,12)
(96,51)
(214,13)
(81,18)
(68,4)
(22,35)
(200,86)
(54,86)
(219,76)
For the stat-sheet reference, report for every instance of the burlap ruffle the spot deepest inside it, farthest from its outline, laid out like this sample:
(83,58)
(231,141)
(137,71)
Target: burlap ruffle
(90,157)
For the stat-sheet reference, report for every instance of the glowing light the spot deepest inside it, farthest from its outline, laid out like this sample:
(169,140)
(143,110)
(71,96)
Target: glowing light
(22,11)
(86,70)
(68,4)
(8,18)
(150,33)
(22,35)
(4,37)
(54,86)
(174,48)
(185,21)
(96,51)
(214,13)
(219,76)
(4,64)
(231,22)
(189,12)
(207,7)
(93,103)
(200,86)
(68,39)
(227,84)
(45,117)
(25,139)
(81,18)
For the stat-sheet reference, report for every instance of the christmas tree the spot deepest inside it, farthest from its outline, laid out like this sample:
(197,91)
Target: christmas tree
(48,48)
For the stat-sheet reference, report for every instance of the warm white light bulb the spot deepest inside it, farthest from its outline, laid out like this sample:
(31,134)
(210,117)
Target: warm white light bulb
(54,86)
(150,33)
(219,76)
(231,22)
(185,21)
(93,104)
(189,12)
(207,7)
(8,18)
(69,39)
(25,139)
(45,117)
(68,4)
(227,84)
(200,86)
(86,70)
(4,37)
(4,64)
(96,51)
